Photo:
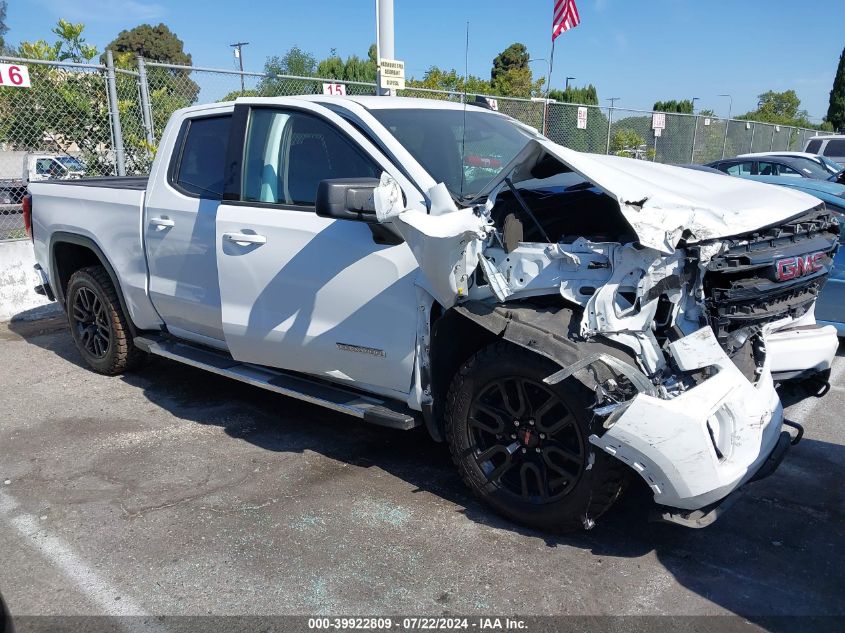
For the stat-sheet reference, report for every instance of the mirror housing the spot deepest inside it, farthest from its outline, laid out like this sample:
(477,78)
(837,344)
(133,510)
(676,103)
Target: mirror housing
(347,199)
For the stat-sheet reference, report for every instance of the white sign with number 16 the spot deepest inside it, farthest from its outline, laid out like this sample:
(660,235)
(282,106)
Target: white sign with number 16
(14,75)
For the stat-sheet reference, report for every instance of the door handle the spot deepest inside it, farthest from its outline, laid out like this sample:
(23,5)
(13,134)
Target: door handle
(243,239)
(162,223)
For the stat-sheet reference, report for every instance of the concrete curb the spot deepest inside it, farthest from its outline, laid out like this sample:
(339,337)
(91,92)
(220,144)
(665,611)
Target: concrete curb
(18,300)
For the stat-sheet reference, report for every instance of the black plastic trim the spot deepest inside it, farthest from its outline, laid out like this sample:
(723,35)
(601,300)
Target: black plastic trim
(63,237)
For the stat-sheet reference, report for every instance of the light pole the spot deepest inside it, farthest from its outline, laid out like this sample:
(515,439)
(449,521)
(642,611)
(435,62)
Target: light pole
(567,81)
(727,122)
(384,39)
(694,99)
(613,101)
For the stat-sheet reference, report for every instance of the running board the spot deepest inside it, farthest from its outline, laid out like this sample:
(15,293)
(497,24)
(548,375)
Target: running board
(368,408)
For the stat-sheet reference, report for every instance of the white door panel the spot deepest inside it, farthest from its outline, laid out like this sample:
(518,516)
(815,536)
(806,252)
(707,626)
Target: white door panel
(317,296)
(180,229)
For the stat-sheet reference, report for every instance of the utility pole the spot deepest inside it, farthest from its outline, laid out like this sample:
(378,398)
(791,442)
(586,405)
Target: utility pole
(727,122)
(613,101)
(239,54)
(384,38)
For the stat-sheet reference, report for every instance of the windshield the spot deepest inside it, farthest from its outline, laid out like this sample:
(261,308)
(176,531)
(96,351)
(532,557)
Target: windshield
(810,168)
(436,139)
(71,163)
(832,166)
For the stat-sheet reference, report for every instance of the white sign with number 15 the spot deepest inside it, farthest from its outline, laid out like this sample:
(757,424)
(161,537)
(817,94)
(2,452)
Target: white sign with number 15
(14,75)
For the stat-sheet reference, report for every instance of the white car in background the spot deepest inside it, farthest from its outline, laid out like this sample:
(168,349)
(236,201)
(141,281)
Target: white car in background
(831,146)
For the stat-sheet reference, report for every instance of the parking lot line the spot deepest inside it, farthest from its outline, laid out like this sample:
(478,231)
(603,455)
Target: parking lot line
(93,586)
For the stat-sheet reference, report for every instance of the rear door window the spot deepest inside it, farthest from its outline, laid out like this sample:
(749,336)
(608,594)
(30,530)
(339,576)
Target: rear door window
(201,161)
(814,146)
(835,147)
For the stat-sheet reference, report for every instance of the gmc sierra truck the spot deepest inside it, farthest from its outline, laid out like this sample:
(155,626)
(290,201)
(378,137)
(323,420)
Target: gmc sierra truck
(564,321)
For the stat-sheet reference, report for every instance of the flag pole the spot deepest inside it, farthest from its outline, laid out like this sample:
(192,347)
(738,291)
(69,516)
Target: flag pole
(548,88)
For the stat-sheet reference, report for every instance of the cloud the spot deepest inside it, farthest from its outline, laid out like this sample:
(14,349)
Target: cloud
(106,10)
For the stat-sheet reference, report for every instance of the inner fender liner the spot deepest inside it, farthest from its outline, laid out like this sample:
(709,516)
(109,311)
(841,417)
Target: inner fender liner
(549,331)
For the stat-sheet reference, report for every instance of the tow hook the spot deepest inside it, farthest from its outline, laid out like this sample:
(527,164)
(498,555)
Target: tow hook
(798,428)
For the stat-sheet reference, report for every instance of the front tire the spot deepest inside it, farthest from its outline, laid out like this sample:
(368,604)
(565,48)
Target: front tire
(522,446)
(97,323)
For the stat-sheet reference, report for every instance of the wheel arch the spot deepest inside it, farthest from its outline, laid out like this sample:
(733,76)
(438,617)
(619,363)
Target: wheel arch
(70,252)
(463,330)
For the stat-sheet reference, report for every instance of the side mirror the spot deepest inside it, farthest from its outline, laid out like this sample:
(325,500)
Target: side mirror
(347,199)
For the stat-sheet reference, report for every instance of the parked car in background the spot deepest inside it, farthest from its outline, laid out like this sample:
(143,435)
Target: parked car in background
(773,165)
(833,168)
(830,307)
(37,167)
(831,146)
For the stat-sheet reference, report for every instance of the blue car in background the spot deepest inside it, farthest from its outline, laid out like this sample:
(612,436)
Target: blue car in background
(830,308)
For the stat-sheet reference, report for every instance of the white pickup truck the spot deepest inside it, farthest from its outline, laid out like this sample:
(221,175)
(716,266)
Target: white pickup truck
(563,321)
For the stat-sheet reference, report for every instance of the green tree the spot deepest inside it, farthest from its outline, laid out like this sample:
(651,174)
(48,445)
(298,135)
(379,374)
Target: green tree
(353,69)
(451,81)
(582,96)
(156,43)
(66,109)
(625,142)
(782,108)
(3,28)
(511,75)
(514,57)
(294,62)
(836,110)
(70,46)
(170,88)
(683,107)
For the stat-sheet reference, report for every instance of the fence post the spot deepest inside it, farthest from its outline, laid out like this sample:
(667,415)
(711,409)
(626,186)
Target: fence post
(146,110)
(694,134)
(751,145)
(772,143)
(609,123)
(119,157)
(725,143)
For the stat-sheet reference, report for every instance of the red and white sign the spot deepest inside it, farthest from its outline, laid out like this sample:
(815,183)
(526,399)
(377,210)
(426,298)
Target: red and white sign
(336,90)
(582,118)
(658,131)
(658,121)
(14,75)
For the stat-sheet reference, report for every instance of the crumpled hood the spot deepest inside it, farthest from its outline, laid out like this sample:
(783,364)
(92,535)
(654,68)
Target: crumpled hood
(661,202)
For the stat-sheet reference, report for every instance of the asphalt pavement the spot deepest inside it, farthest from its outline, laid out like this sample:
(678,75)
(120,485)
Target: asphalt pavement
(170,491)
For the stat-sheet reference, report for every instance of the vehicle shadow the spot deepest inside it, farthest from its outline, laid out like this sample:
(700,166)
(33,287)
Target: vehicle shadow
(775,555)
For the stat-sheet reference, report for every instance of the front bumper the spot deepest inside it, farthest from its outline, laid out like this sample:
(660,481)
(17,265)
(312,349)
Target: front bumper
(801,352)
(705,516)
(696,448)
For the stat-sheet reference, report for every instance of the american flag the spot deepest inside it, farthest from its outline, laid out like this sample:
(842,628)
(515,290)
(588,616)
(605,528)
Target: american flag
(565,17)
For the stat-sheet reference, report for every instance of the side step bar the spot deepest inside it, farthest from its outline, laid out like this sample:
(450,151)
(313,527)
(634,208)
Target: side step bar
(368,408)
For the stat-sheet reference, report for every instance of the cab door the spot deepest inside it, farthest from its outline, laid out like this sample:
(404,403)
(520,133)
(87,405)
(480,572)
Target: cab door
(305,293)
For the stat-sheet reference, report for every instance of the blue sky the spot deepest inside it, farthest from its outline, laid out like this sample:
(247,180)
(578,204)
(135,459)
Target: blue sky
(637,50)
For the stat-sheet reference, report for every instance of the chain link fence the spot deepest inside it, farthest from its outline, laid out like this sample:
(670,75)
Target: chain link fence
(97,120)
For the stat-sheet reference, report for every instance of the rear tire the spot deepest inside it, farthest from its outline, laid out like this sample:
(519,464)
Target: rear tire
(523,446)
(97,323)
